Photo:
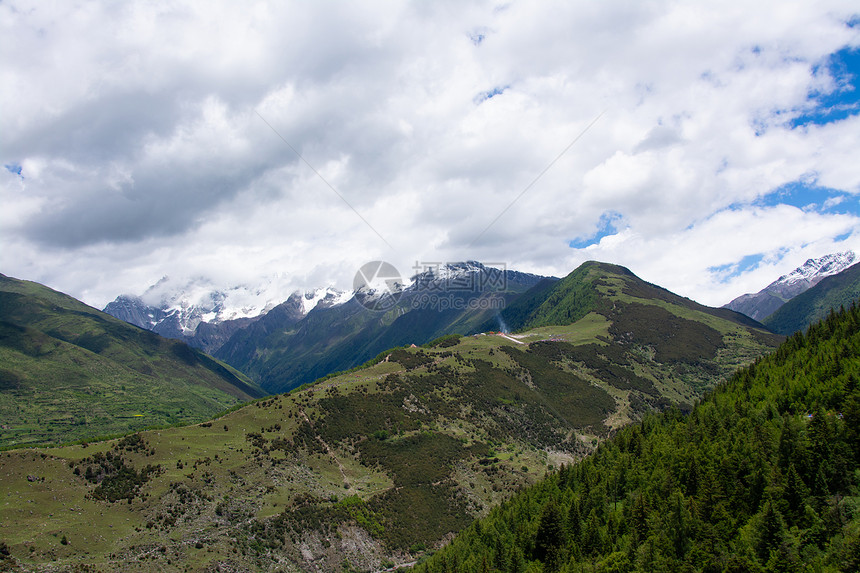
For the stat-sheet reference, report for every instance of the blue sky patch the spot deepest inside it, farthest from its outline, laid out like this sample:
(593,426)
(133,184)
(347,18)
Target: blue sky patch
(14,168)
(605,227)
(477,37)
(808,196)
(731,270)
(844,101)
(803,194)
(496,91)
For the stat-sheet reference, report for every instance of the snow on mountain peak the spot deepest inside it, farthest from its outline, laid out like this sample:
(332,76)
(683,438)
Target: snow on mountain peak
(429,272)
(187,303)
(762,304)
(176,307)
(817,269)
(326,296)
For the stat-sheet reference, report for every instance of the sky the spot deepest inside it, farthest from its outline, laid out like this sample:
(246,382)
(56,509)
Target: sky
(710,147)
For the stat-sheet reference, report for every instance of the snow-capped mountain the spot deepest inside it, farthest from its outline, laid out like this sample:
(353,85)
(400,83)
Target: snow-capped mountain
(280,351)
(174,309)
(467,275)
(324,297)
(204,315)
(810,274)
(762,304)
(447,271)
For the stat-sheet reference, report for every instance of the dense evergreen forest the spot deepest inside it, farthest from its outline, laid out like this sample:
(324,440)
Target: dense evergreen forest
(763,475)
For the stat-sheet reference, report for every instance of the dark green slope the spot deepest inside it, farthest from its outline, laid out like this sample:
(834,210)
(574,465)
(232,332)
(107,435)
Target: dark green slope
(763,475)
(560,302)
(69,371)
(811,306)
(597,287)
(516,314)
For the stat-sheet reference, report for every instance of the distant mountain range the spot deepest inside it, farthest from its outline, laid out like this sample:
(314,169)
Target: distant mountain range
(764,303)
(286,343)
(312,335)
(204,316)
(287,348)
(830,293)
(372,467)
(69,371)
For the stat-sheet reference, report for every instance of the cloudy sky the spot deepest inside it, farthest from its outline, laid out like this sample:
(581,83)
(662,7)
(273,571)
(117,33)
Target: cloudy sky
(708,146)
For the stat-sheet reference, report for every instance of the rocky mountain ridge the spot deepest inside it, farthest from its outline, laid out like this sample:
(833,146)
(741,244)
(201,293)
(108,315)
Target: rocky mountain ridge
(285,350)
(205,316)
(762,304)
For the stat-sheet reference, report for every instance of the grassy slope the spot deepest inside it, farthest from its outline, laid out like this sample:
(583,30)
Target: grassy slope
(764,475)
(68,371)
(693,345)
(811,306)
(370,466)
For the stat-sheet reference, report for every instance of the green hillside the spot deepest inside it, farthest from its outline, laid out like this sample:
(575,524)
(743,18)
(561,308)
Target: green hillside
(559,302)
(368,468)
(763,475)
(606,289)
(69,372)
(281,355)
(811,306)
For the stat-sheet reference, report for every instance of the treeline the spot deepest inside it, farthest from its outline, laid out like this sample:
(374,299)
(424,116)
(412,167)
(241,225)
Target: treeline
(762,475)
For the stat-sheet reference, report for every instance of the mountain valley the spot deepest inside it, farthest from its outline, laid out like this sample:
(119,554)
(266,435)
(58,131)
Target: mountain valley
(384,463)
(430,287)
(70,372)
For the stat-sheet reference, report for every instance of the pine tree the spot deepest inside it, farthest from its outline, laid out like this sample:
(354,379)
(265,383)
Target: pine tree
(795,494)
(820,488)
(679,524)
(640,519)
(693,478)
(771,531)
(592,539)
(551,535)
(574,521)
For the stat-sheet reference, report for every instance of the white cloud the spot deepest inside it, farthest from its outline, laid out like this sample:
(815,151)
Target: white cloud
(136,126)
(833,201)
(682,261)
